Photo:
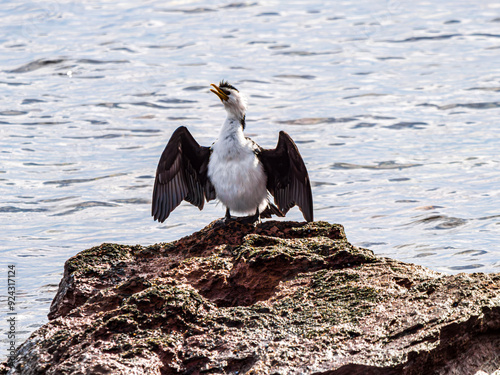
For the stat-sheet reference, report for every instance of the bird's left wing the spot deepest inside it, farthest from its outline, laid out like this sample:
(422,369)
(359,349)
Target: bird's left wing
(181,175)
(287,178)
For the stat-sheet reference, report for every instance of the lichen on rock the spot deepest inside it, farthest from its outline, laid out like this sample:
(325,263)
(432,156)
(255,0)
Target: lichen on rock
(278,298)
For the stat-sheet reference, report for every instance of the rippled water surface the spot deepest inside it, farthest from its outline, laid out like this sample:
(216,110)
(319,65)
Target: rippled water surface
(395,106)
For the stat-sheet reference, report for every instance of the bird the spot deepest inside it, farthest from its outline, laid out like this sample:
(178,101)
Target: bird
(234,169)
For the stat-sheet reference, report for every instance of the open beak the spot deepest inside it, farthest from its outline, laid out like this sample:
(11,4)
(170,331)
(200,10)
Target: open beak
(222,96)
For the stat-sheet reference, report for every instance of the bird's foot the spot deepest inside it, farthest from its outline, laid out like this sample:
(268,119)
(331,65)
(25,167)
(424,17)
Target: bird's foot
(252,219)
(229,219)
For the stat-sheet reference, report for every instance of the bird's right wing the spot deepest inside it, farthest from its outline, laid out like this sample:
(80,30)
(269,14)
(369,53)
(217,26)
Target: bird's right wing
(181,175)
(287,178)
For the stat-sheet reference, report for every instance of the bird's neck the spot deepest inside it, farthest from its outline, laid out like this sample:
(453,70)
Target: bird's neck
(233,127)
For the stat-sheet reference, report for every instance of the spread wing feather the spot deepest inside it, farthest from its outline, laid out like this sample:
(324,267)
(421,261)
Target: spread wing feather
(181,175)
(287,178)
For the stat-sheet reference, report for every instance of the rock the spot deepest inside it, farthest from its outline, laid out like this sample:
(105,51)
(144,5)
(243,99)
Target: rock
(280,298)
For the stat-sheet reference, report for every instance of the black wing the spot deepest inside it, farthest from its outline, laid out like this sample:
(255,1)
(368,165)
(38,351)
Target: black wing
(287,178)
(181,175)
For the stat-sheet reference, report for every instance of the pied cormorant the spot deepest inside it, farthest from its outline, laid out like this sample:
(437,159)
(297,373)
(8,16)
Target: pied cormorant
(235,170)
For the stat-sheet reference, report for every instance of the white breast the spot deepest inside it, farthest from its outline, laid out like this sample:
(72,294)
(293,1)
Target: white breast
(237,174)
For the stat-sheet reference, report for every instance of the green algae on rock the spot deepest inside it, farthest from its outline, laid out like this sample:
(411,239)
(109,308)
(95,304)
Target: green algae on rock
(278,298)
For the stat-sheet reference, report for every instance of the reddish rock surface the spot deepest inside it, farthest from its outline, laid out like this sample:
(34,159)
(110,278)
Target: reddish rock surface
(280,298)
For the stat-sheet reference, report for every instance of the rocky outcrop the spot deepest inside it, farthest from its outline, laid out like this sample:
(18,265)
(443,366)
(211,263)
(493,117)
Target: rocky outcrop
(278,298)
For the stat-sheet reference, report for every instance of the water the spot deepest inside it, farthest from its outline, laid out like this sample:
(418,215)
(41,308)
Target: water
(393,104)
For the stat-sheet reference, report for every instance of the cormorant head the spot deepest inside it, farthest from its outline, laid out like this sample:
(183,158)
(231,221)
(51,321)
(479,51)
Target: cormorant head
(234,103)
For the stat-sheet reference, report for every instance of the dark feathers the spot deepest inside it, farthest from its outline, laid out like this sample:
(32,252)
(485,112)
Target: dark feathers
(225,84)
(181,175)
(287,178)
(243,123)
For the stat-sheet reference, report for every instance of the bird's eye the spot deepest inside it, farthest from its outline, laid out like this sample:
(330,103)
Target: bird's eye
(227,92)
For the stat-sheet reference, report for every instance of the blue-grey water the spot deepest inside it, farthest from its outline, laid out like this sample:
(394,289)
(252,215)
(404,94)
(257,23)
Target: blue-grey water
(395,106)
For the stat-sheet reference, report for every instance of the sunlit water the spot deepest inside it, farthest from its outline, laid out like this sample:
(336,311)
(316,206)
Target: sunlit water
(395,106)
